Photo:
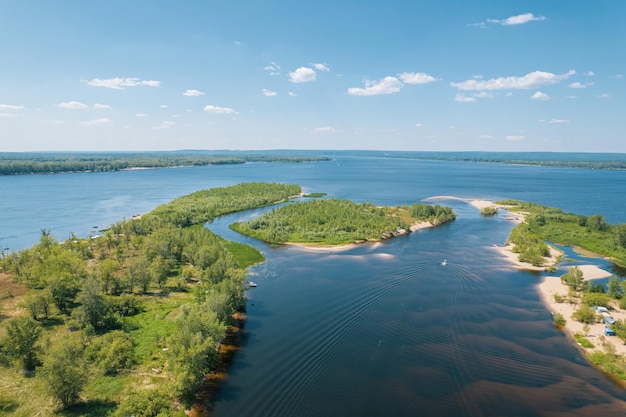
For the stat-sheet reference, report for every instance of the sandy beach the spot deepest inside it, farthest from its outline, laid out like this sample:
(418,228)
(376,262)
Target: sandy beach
(552,285)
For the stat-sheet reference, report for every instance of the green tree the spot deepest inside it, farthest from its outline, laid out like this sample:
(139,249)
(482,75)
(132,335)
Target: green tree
(65,371)
(94,309)
(22,336)
(573,279)
(585,314)
(596,222)
(614,287)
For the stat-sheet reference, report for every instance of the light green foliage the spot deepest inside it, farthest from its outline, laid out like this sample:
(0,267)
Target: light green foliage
(591,233)
(609,361)
(146,403)
(596,299)
(332,221)
(488,211)
(585,314)
(65,371)
(584,342)
(573,279)
(21,342)
(94,309)
(614,288)
(111,352)
(559,320)
(192,348)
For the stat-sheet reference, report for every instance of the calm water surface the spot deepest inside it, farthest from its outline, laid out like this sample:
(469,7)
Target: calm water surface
(380,329)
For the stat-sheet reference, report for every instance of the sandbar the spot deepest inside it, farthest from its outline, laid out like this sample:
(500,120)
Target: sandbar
(550,286)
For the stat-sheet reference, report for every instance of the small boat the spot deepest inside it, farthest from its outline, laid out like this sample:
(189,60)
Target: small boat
(252,284)
(444,262)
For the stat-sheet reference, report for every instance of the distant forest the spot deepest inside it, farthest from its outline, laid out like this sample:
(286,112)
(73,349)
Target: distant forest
(19,163)
(53,162)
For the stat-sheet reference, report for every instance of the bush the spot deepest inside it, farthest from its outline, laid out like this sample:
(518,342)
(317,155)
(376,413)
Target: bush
(584,314)
(558,298)
(559,320)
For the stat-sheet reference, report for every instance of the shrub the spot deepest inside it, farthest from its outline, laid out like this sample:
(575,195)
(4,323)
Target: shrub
(584,314)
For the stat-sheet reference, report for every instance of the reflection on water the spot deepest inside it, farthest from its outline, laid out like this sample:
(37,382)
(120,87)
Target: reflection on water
(387,330)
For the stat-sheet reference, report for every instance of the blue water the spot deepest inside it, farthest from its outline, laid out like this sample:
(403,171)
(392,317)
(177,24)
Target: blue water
(379,329)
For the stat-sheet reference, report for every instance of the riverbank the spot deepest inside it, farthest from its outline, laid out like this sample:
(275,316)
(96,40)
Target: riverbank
(551,286)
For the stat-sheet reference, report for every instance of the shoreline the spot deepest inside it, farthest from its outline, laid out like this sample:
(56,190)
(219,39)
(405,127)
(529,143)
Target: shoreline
(552,285)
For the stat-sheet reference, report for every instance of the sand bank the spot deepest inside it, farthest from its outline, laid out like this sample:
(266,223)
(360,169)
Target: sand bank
(552,285)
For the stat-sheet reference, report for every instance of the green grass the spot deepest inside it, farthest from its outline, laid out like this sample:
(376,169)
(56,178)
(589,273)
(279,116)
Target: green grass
(584,342)
(609,362)
(245,255)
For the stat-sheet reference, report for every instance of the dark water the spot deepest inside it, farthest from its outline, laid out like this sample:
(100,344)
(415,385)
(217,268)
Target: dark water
(380,329)
(386,330)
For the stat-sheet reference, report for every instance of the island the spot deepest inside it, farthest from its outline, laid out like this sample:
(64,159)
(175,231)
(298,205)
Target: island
(330,222)
(593,315)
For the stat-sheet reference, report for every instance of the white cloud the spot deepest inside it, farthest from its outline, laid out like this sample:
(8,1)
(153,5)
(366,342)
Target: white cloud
(97,122)
(485,137)
(590,74)
(302,75)
(603,95)
(101,106)
(530,80)
(514,138)
(559,121)
(387,85)
(462,98)
(324,129)
(616,77)
(11,107)
(418,125)
(163,106)
(482,94)
(74,105)
(321,67)
(273,68)
(193,93)
(520,19)
(292,94)
(540,96)
(119,83)
(219,110)
(166,124)
(577,85)
(570,97)
(269,93)
(237,43)
(141,115)
(416,78)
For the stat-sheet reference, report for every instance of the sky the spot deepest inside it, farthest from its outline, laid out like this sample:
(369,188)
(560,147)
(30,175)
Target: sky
(437,75)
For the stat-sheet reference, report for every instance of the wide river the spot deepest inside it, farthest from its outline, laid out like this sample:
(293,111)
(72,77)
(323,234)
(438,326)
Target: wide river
(379,329)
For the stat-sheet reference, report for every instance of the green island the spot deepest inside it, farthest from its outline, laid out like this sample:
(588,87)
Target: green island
(575,298)
(339,222)
(591,233)
(129,322)
(20,163)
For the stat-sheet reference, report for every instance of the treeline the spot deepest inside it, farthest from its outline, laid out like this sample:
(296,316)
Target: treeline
(551,224)
(332,221)
(128,323)
(47,163)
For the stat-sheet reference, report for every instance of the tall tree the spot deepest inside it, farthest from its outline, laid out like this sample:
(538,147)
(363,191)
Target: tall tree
(23,333)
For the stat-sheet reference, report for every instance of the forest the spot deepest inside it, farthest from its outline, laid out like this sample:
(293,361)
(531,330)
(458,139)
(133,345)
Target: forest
(335,222)
(52,162)
(130,322)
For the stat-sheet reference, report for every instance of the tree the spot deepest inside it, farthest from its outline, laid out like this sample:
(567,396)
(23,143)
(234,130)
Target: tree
(65,371)
(615,289)
(597,223)
(23,333)
(94,309)
(585,314)
(573,279)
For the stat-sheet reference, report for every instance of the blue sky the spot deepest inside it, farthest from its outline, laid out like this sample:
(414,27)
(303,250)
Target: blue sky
(443,75)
